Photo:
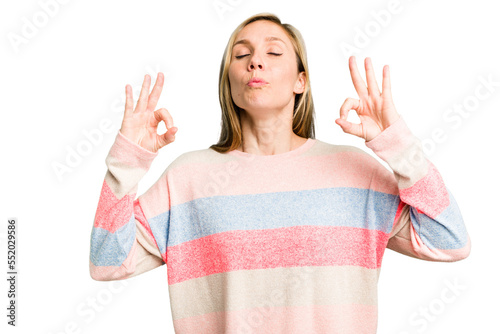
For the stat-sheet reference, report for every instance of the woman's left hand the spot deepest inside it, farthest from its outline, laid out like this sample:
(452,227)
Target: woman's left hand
(375,110)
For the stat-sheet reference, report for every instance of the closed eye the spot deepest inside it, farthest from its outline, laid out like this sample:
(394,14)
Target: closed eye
(271,53)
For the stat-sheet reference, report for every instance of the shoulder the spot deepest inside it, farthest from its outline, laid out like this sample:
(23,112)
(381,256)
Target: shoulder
(349,157)
(201,157)
(345,152)
(357,165)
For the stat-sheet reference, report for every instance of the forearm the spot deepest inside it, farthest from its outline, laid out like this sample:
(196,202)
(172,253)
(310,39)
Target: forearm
(428,224)
(114,247)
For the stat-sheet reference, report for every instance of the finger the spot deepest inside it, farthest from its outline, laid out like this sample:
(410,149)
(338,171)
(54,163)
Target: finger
(386,82)
(143,97)
(155,94)
(169,136)
(373,89)
(351,128)
(358,82)
(129,101)
(348,105)
(163,115)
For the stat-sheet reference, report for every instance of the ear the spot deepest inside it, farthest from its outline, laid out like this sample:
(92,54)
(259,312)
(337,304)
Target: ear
(300,84)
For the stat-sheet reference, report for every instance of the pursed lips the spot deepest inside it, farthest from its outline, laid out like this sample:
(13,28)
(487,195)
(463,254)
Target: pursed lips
(257,82)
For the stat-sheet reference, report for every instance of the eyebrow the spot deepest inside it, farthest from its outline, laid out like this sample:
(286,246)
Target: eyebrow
(268,39)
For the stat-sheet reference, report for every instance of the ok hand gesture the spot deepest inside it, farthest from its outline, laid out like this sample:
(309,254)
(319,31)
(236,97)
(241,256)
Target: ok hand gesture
(140,125)
(375,110)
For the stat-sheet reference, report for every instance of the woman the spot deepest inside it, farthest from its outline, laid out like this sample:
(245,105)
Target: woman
(271,230)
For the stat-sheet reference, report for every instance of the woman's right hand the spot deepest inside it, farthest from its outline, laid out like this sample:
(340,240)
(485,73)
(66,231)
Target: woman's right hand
(140,125)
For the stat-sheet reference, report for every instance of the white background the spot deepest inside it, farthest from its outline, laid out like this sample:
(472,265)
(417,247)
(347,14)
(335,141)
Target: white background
(71,74)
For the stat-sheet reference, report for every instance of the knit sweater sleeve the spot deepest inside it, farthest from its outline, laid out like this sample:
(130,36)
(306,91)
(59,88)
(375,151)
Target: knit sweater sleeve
(122,244)
(428,224)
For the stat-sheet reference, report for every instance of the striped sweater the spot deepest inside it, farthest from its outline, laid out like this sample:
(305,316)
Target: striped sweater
(285,243)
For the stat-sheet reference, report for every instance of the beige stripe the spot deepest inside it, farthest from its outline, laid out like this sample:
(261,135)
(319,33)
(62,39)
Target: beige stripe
(322,285)
(209,156)
(204,156)
(121,178)
(145,240)
(410,165)
(324,148)
(147,254)
(403,220)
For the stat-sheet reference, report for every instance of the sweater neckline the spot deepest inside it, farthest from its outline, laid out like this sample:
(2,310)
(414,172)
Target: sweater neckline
(305,146)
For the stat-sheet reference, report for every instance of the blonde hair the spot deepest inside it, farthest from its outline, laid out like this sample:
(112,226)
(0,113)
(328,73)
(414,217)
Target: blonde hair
(303,113)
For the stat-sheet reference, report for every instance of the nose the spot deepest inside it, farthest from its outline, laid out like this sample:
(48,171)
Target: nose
(255,62)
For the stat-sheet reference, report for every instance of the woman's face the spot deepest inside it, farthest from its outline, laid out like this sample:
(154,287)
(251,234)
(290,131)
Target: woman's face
(264,51)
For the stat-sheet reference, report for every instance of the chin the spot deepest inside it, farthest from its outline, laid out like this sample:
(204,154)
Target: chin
(258,107)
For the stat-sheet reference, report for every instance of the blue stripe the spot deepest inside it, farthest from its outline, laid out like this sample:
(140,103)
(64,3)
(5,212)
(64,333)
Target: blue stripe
(160,229)
(446,231)
(111,249)
(352,207)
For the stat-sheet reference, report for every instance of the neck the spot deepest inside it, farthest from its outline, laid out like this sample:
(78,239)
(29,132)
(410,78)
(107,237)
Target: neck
(268,134)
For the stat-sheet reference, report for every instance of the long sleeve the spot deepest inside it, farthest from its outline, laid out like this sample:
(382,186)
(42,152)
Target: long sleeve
(428,224)
(122,244)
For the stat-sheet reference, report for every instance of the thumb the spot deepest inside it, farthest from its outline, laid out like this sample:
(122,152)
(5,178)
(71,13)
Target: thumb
(350,128)
(168,137)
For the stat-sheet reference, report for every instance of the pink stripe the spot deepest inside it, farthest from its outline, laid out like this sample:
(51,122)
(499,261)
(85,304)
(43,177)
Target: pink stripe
(271,248)
(111,213)
(428,195)
(344,169)
(131,154)
(108,273)
(331,319)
